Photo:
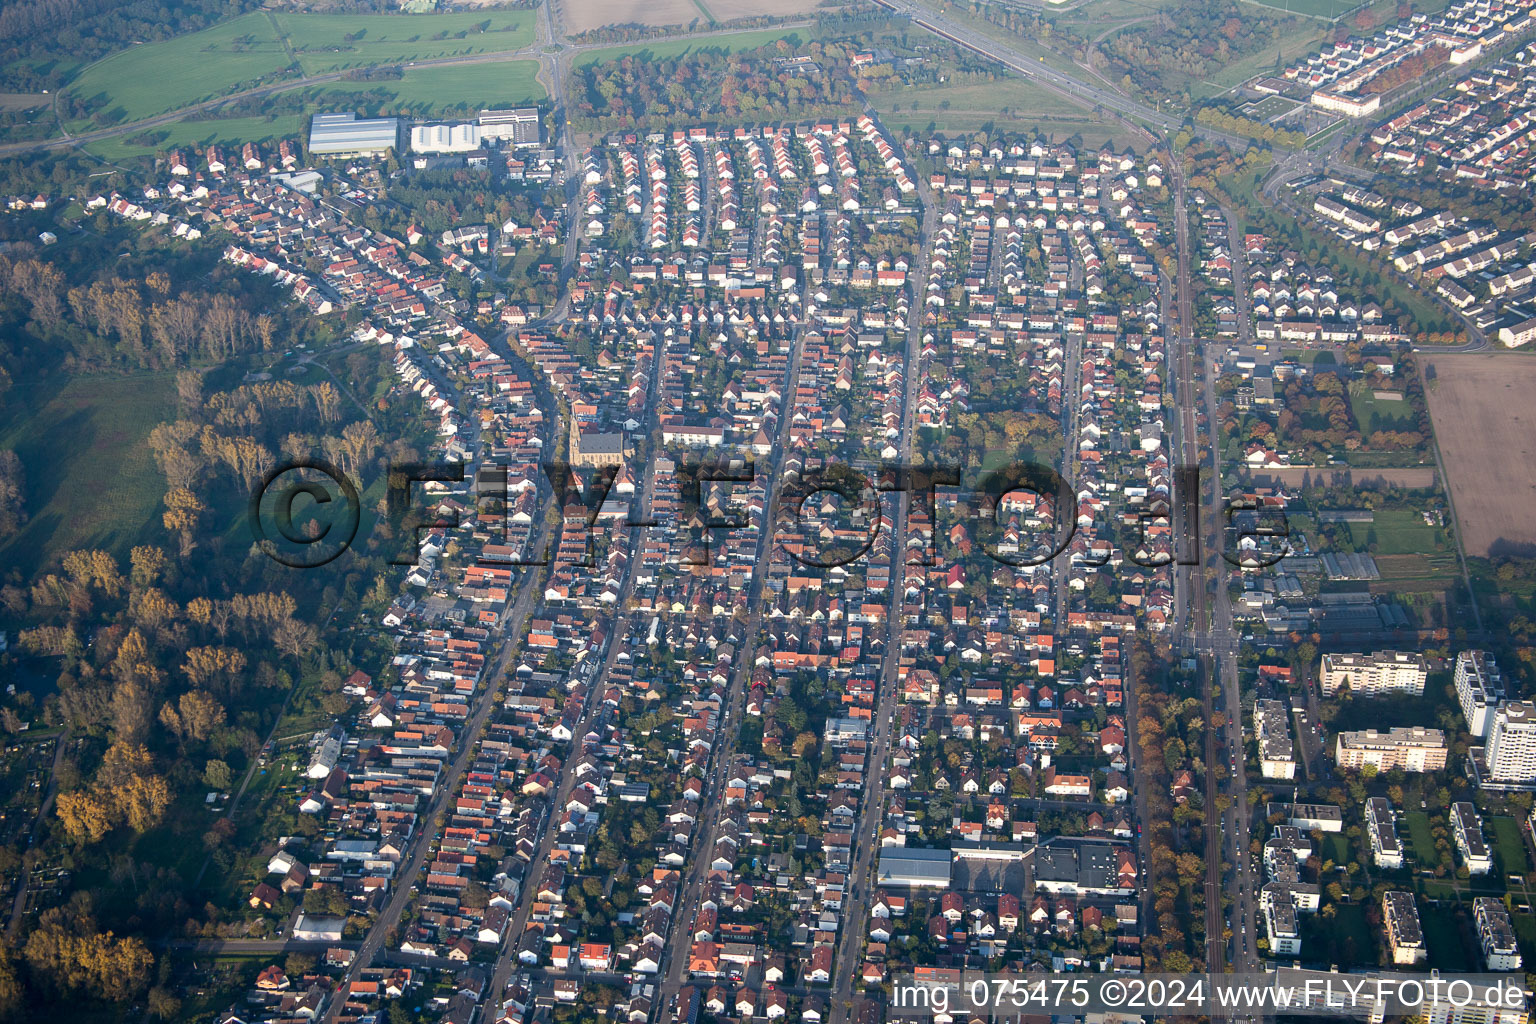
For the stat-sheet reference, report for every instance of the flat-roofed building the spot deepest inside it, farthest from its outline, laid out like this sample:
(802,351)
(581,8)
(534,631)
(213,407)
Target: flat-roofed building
(914,869)
(350,135)
(1281,924)
(1382,826)
(1277,754)
(1496,934)
(1370,675)
(1479,689)
(519,126)
(445,138)
(1087,865)
(1470,843)
(1323,817)
(1411,748)
(1405,935)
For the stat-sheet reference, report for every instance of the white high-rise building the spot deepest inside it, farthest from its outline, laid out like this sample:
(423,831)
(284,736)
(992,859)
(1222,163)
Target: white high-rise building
(1511,751)
(1479,689)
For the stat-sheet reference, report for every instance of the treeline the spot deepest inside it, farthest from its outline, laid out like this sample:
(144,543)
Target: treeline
(125,321)
(13,492)
(1170,735)
(1409,69)
(37,37)
(1233,124)
(643,91)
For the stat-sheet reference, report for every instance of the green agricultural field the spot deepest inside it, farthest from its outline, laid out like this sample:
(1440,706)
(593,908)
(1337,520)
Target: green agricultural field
(228,131)
(420,91)
(1398,531)
(91,479)
(142,81)
(331,42)
(474,86)
(1011,99)
(154,78)
(738,42)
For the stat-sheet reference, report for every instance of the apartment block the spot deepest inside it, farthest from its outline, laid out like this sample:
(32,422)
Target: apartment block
(1381,824)
(1511,751)
(1277,754)
(1479,689)
(1371,675)
(1470,843)
(1411,748)
(1405,935)
(1281,924)
(1496,934)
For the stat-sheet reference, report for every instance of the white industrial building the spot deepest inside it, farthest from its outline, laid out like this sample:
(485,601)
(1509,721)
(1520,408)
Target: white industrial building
(445,138)
(518,126)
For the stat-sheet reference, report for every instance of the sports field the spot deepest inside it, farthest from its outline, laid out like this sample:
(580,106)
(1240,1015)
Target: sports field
(1479,403)
(1374,412)
(331,42)
(91,480)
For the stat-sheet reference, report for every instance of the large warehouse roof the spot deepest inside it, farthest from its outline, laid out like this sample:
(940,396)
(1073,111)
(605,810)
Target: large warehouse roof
(900,866)
(346,133)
